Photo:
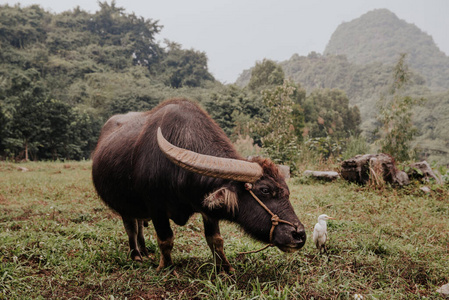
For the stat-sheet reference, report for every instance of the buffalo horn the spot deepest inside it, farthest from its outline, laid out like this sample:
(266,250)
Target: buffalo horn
(220,167)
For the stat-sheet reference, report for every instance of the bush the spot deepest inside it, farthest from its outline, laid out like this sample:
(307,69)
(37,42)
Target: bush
(355,145)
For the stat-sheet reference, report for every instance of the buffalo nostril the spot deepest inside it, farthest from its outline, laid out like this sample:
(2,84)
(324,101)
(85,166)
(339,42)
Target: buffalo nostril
(299,236)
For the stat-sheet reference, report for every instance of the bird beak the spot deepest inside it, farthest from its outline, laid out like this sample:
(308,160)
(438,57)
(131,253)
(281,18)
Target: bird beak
(330,218)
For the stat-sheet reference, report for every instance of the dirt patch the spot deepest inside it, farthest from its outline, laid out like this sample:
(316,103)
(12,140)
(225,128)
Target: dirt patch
(153,295)
(43,273)
(15,227)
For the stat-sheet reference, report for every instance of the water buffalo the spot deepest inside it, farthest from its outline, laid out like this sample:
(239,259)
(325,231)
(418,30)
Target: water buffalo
(142,176)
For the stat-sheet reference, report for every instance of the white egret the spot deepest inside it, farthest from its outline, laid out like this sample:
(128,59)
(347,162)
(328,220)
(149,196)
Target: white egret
(320,232)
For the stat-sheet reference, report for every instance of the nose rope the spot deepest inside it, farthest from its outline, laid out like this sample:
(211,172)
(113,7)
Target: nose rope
(275,220)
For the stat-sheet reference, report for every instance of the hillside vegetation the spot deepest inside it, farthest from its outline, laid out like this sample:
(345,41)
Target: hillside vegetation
(63,75)
(359,60)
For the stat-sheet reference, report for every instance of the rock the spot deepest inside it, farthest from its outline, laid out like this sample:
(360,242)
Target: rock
(425,189)
(323,175)
(444,290)
(360,168)
(402,178)
(422,171)
(23,169)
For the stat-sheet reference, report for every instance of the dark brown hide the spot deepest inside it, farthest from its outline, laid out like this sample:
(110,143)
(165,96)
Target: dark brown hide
(135,178)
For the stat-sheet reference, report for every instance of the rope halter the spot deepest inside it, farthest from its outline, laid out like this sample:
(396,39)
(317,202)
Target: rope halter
(275,220)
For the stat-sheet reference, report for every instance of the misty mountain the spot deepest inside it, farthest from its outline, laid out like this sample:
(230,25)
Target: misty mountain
(376,38)
(379,36)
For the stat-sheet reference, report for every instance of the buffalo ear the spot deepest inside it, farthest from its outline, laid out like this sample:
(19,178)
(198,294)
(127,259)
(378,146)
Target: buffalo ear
(222,198)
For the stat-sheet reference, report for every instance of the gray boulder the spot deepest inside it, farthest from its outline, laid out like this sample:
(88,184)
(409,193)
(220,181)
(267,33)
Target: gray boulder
(323,175)
(422,171)
(444,290)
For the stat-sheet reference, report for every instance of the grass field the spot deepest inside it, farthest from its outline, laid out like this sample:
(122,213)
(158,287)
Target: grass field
(58,241)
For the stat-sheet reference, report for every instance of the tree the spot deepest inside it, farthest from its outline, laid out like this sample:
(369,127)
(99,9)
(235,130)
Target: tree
(56,140)
(20,27)
(133,36)
(4,121)
(233,108)
(23,95)
(85,130)
(266,73)
(185,68)
(278,134)
(298,117)
(395,115)
(32,125)
(327,113)
(329,121)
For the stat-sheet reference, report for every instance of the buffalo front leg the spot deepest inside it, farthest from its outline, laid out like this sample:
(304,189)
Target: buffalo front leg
(134,229)
(165,241)
(215,242)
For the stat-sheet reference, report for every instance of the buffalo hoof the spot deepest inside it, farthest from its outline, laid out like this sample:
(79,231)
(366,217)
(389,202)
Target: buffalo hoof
(227,270)
(144,253)
(137,256)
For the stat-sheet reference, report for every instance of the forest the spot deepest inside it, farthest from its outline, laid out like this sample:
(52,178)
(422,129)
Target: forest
(62,75)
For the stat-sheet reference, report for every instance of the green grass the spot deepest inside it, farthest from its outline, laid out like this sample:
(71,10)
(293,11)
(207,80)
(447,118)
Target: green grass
(58,240)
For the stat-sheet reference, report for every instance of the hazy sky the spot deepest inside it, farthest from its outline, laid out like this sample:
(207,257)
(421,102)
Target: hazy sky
(237,33)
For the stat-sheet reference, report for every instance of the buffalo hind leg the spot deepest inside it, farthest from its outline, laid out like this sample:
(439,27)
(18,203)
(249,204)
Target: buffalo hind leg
(141,238)
(215,242)
(134,229)
(165,240)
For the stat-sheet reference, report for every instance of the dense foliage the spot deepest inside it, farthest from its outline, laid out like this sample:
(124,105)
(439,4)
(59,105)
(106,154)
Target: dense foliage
(62,75)
(321,121)
(361,83)
(396,129)
(266,73)
(432,122)
(278,133)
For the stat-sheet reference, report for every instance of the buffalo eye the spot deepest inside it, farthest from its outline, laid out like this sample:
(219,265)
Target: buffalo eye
(265,191)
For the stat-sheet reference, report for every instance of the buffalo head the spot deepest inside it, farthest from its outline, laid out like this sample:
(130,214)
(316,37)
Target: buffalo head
(254,194)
